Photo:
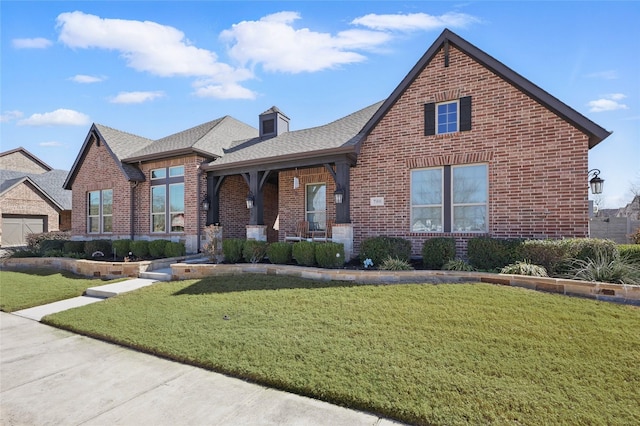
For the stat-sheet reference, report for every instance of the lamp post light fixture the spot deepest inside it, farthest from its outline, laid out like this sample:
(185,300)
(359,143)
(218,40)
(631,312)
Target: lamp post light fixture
(339,195)
(596,183)
(250,200)
(205,204)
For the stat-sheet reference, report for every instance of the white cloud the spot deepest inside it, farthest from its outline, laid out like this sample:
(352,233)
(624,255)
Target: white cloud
(59,117)
(415,21)
(274,43)
(85,79)
(147,47)
(226,91)
(50,144)
(607,103)
(136,97)
(10,116)
(605,75)
(31,43)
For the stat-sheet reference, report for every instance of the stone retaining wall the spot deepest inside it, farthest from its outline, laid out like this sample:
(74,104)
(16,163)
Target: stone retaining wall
(629,294)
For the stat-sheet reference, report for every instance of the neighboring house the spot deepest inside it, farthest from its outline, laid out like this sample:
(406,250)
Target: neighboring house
(32,199)
(463,147)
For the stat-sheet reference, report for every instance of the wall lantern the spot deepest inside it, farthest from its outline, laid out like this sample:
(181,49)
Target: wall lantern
(339,195)
(596,182)
(205,204)
(250,201)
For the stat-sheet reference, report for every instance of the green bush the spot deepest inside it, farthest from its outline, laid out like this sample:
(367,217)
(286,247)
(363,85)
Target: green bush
(395,264)
(25,253)
(279,253)
(34,240)
(304,253)
(379,248)
(156,248)
(490,254)
(330,255)
(438,251)
(458,265)
(525,268)
(589,248)
(93,246)
(121,247)
(48,245)
(73,247)
(232,249)
(254,251)
(139,248)
(550,254)
(630,252)
(53,253)
(174,249)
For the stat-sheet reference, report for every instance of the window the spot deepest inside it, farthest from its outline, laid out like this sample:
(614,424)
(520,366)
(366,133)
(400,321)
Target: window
(167,199)
(100,211)
(316,206)
(449,199)
(447,117)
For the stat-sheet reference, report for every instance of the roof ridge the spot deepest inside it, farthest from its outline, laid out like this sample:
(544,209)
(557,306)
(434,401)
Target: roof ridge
(122,131)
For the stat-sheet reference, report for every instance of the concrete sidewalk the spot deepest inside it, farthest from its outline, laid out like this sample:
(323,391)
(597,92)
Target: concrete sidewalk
(50,376)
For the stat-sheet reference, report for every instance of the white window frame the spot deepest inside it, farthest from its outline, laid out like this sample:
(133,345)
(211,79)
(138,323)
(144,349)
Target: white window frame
(439,226)
(437,106)
(484,204)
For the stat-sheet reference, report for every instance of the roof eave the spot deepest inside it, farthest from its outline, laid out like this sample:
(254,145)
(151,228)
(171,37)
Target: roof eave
(168,154)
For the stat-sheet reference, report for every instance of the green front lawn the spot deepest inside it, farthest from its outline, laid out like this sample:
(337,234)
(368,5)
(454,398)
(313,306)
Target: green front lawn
(33,287)
(428,354)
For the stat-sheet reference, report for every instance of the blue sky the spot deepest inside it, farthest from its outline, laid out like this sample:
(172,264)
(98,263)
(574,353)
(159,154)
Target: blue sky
(156,68)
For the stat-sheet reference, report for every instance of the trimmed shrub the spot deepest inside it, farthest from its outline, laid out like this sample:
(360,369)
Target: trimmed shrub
(589,248)
(232,249)
(279,253)
(156,247)
(34,240)
(254,251)
(379,248)
(458,265)
(93,246)
(395,264)
(525,268)
(121,247)
(330,255)
(48,245)
(174,249)
(304,253)
(489,254)
(550,254)
(53,253)
(25,253)
(630,252)
(139,248)
(73,247)
(438,251)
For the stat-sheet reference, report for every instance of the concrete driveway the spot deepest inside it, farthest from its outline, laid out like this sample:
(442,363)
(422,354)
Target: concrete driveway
(53,377)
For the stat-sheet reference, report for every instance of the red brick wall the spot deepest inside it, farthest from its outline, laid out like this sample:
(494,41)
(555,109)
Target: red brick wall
(99,171)
(537,162)
(292,207)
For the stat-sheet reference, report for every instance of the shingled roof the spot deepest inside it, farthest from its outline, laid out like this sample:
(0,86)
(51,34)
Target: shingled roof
(48,183)
(338,136)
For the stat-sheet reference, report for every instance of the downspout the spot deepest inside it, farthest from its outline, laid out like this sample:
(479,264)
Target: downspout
(199,227)
(133,209)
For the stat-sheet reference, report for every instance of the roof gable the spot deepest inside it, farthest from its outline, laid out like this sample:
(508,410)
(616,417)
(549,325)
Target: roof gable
(595,132)
(119,145)
(49,184)
(29,156)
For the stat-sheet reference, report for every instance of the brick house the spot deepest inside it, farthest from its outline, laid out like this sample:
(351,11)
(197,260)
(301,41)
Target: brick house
(463,147)
(31,197)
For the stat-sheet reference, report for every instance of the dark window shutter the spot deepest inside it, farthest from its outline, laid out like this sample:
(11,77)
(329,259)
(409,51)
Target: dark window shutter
(465,114)
(429,119)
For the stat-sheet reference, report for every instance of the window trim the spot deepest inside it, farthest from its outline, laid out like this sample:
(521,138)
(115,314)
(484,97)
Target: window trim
(101,215)
(464,116)
(306,203)
(448,204)
(166,182)
(457,121)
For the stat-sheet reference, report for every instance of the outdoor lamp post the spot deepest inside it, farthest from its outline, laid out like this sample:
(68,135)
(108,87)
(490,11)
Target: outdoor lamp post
(249,200)
(596,182)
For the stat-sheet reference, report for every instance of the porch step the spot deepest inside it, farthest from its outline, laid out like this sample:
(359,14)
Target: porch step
(164,274)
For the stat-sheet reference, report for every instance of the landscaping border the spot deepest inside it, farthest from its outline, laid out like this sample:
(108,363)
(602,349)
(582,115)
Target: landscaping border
(620,293)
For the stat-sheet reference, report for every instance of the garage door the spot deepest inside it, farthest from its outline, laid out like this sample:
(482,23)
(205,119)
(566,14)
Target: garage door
(15,229)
